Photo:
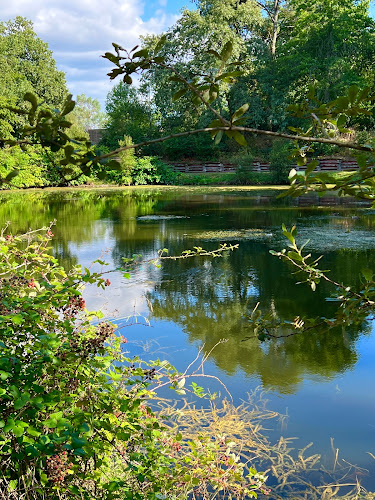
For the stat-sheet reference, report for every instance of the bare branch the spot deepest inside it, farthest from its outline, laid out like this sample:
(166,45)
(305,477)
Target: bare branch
(321,140)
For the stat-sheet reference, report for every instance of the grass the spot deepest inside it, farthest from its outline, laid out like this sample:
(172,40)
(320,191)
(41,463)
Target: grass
(292,473)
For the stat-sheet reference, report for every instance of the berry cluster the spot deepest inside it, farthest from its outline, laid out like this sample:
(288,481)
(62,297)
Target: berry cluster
(31,283)
(57,467)
(92,345)
(176,446)
(150,374)
(74,306)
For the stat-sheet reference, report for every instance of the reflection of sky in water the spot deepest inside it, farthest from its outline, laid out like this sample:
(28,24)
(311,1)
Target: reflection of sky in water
(326,384)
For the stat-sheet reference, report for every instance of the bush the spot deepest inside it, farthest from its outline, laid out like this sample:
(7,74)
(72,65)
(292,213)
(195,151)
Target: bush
(151,170)
(280,161)
(128,161)
(75,415)
(205,179)
(32,166)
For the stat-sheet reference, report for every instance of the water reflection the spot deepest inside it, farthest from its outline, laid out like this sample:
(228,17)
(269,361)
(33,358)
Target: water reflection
(210,299)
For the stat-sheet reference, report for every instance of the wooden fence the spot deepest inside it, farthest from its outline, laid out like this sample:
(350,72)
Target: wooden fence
(325,165)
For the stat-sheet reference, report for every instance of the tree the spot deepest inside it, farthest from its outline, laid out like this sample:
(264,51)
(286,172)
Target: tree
(331,45)
(127,115)
(187,47)
(87,113)
(27,66)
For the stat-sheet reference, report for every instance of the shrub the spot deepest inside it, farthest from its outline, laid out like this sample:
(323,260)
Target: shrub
(32,166)
(75,415)
(280,161)
(151,170)
(128,161)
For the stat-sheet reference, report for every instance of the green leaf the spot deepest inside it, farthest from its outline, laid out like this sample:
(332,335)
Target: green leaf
(160,44)
(69,105)
(179,94)
(363,94)
(218,137)
(214,53)
(111,57)
(12,175)
(113,165)
(311,166)
(22,401)
(240,111)
(141,53)
(352,93)
(238,137)
(31,98)
(341,121)
(4,375)
(227,51)
(368,274)
(295,256)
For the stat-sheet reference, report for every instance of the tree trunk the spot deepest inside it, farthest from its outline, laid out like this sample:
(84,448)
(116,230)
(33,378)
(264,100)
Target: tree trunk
(275,27)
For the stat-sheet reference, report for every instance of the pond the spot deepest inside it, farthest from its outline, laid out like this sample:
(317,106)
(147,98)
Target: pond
(324,383)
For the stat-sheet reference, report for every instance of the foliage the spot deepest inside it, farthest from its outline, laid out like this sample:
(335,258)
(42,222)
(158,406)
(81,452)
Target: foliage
(280,161)
(87,113)
(127,161)
(127,115)
(74,408)
(150,170)
(205,179)
(27,66)
(188,47)
(70,156)
(31,164)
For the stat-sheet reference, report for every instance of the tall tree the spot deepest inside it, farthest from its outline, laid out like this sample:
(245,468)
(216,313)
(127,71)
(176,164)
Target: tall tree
(127,115)
(87,113)
(27,65)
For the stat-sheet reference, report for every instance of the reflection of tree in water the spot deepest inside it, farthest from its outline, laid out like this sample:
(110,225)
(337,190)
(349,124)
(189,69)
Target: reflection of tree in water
(208,298)
(78,215)
(210,301)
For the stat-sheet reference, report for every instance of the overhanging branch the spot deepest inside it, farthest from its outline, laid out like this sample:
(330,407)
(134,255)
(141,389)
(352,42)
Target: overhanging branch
(269,133)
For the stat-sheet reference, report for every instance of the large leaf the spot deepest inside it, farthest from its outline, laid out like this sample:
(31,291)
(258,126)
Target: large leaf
(240,111)
(227,51)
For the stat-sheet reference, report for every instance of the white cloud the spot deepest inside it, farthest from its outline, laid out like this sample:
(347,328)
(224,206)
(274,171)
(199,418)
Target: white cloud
(80,31)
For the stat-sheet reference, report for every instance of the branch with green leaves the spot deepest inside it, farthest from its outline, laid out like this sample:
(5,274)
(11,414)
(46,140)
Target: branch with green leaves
(354,306)
(50,128)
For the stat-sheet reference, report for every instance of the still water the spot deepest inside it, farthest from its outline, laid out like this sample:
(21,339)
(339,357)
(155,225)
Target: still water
(323,382)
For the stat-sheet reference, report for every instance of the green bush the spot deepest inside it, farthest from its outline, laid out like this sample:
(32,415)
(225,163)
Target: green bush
(75,415)
(245,176)
(31,164)
(280,161)
(128,161)
(206,179)
(151,170)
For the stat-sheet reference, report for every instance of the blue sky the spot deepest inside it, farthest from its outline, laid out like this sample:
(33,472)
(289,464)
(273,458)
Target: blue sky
(79,31)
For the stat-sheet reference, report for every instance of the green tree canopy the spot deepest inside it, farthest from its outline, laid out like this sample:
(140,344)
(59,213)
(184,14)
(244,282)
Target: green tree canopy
(128,114)
(27,66)
(87,113)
